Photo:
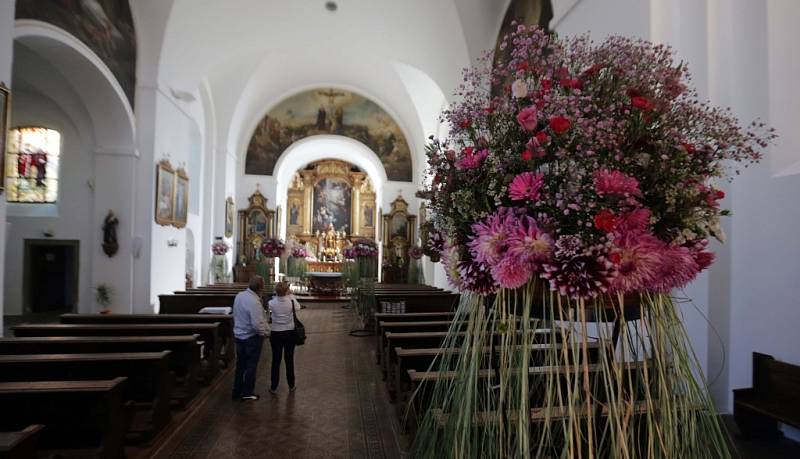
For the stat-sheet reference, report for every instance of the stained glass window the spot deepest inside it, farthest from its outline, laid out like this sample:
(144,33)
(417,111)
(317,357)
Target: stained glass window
(32,165)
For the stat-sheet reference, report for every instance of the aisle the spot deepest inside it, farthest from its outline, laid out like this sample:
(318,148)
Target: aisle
(340,408)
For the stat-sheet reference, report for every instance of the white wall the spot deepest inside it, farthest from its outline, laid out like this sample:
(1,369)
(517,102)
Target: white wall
(72,215)
(175,139)
(6,52)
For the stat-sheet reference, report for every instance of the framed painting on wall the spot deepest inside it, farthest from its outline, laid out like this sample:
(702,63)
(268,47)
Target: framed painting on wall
(181,208)
(5,114)
(230,215)
(165,190)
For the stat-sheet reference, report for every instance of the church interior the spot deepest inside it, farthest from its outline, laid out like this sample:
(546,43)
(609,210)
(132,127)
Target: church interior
(161,156)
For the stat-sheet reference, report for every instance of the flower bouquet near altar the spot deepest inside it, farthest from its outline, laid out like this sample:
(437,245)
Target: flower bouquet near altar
(589,187)
(272,247)
(219,248)
(296,262)
(299,252)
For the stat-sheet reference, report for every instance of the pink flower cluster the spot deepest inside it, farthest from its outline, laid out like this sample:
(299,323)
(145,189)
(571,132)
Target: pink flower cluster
(299,252)
(361,248)
(415,252)
(271,248)
(588,167)
(219,248)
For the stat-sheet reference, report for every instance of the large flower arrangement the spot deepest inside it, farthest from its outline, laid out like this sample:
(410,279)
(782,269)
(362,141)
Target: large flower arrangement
(361,248)
(219,248)
(595,170)
(594,174)
(272,247)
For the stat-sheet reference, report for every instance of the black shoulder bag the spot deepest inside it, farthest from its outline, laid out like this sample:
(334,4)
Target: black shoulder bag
(299,328)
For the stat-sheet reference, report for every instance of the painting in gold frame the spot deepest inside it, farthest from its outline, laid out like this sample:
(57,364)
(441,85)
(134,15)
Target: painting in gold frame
(230,216)
(165,191)
(5,115)
(181,206)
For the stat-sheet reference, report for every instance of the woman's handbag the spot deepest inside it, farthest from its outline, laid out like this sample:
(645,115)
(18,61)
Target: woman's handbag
(299,328)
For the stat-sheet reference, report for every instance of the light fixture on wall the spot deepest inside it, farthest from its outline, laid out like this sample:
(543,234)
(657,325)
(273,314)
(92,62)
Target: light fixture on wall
(172,242)
(183,96)
(331,6)
(48,233)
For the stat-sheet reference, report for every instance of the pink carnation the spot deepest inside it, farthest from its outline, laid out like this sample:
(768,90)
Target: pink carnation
(614,182)
(526,186)
(528,118)
(470,159)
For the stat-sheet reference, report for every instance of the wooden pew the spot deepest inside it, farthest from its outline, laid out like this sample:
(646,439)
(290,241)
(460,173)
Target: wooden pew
(424,359)
(90,415)
(405,326)
(209,334)
(184,360)
(410,317)
(188,303)
(20,445)
(774,398)
(421,301)
(149,379)
(228,353)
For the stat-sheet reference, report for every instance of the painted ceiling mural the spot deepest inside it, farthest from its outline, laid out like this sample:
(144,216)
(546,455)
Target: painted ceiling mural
(329,111)
(105,26)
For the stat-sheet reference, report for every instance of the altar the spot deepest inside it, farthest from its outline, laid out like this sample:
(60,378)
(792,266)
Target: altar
(325,283)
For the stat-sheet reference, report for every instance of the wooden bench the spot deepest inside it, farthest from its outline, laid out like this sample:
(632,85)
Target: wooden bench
(209,334)
(774,398)
(149,380)
(420,301)
(86,415)
(188,303)
(425,359)
(184,360)
(20,445)
(228,352)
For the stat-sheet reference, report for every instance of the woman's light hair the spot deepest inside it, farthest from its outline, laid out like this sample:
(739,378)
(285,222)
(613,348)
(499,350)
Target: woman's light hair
(282,288)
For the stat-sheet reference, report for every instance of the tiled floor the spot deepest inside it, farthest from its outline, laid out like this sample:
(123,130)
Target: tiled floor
(340,408)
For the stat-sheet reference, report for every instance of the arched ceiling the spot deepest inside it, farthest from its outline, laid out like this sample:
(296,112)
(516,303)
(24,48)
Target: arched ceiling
(252,53)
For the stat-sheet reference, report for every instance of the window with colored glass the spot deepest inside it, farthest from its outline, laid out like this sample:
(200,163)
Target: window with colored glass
(34,155)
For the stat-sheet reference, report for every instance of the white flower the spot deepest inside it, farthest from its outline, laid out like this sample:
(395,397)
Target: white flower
(519,89)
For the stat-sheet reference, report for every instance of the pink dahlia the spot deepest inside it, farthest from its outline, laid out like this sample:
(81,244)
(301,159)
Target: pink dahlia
(511,272)
(701,256)
(638,261)
(489,242)
(470,159)
(528,244)
(526,186)
(635,220)
(678,268)
(614,182)
(528,118)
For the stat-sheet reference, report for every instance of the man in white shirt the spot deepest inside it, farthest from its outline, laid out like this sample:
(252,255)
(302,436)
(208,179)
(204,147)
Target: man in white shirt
(249,329)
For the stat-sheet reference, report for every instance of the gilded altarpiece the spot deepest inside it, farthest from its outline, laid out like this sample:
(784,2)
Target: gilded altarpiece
(256,223)
(329,202)
(399,228)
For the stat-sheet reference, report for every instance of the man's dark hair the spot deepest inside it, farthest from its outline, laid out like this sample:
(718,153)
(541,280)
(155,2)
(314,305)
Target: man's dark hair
(256,284)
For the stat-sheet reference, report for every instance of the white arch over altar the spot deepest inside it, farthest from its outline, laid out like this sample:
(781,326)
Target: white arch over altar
(319,147)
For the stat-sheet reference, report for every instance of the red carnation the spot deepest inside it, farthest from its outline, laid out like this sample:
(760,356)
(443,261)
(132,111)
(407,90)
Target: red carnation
(606,221)
(689,148)
(546,85)
(526,155)
(463,124)
(523,66)
(542,137)
(642,103)
(559,124)
(571,83)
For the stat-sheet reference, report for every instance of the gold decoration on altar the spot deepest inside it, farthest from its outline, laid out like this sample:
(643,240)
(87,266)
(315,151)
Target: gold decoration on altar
(324,266)
(398,235)
(330,193)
